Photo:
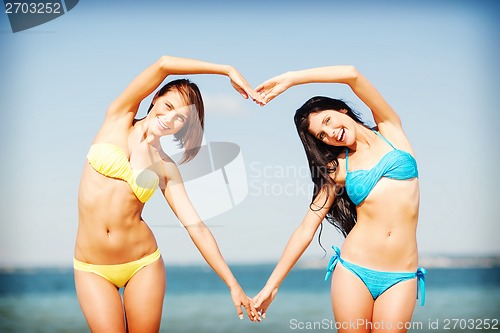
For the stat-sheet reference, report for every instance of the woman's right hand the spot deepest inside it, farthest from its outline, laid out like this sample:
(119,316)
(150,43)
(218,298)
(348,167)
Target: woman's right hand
(240,299)
(263,299)
(271,88)
(242,87)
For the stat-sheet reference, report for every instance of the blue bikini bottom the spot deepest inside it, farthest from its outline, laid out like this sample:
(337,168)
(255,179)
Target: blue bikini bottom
(376,281)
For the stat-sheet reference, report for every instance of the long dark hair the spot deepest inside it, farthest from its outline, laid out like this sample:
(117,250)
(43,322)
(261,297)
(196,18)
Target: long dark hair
(323,161)
(191,135)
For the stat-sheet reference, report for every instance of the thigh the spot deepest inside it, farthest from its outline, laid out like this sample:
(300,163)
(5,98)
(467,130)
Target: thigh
(393,309)
(352,303)
(143,298)
(100,302)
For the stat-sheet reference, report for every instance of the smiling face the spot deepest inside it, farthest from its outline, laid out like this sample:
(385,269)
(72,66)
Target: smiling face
(178,109)
(169,114)
(334,128)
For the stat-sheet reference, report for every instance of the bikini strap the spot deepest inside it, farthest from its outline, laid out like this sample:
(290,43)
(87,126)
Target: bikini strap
(421,272)
(381,136)
(333,262)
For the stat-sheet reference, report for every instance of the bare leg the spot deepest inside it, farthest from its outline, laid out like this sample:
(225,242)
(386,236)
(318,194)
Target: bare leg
(100,302)
(143,298)
(352,303)
(393,309)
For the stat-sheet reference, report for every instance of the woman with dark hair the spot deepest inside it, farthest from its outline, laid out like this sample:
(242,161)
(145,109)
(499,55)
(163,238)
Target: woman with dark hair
(114,246)
(366,185)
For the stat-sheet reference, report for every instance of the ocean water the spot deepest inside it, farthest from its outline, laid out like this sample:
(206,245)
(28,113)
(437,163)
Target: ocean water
(44,300)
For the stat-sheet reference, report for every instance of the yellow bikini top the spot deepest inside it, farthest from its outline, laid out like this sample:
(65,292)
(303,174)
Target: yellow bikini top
(111,161)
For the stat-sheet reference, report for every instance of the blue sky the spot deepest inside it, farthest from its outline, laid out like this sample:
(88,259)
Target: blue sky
(436,64)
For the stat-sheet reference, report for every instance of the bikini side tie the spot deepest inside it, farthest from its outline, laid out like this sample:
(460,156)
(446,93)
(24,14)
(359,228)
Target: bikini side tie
(419,274)
(333,262)
(421,284)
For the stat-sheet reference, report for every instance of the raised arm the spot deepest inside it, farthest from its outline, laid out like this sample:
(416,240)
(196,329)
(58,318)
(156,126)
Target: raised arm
(146,82)
(176,196)
(296,246)
(382,111)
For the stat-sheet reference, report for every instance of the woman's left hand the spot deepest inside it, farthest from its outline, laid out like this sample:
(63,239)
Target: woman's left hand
(271,88)
(241,299)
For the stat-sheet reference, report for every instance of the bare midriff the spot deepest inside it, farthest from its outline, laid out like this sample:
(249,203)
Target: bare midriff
(384,237)
(110,229)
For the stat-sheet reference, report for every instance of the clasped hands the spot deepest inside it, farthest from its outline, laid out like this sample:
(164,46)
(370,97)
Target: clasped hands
(256,307)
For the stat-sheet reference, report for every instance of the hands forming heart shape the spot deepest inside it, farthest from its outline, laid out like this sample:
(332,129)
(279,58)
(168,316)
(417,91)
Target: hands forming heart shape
(265,92)
(167,115)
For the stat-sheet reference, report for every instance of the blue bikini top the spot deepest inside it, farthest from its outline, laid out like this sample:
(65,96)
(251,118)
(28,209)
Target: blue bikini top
(396,164)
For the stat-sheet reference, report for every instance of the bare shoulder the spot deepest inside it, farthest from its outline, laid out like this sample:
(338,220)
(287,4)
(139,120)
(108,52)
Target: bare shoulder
(114,129)
(170,169)
(395,135)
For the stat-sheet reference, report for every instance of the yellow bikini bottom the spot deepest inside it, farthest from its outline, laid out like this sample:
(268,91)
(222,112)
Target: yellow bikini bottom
(118,274)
